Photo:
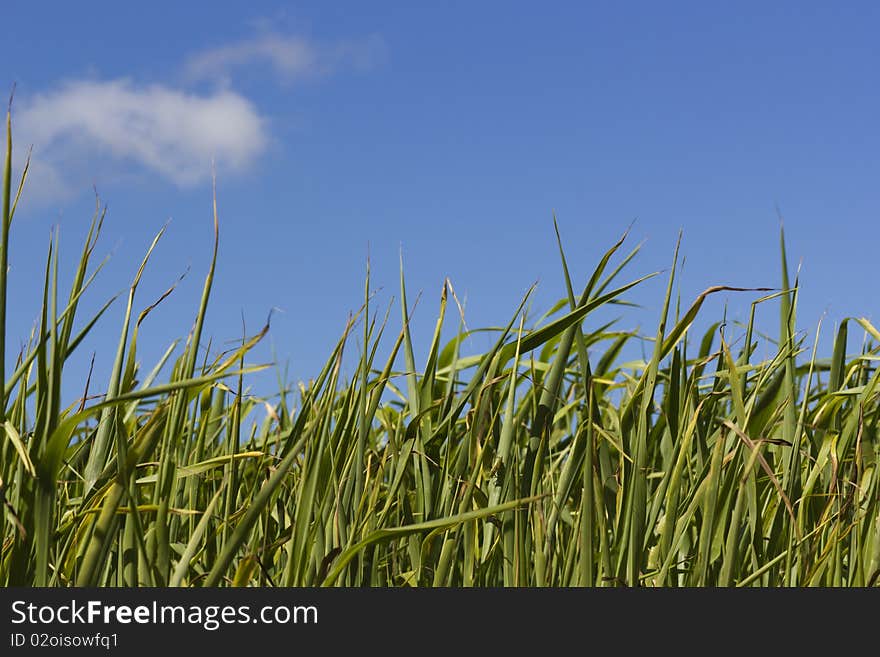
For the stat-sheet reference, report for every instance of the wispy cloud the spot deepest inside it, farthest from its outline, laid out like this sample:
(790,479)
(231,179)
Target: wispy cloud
(290,57)
(86,131)
(173,133)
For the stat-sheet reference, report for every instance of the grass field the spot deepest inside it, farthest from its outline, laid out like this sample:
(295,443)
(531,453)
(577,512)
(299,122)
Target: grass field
(542,462)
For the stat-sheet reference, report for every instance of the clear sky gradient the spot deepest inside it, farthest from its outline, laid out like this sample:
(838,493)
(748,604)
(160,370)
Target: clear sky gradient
(451,131)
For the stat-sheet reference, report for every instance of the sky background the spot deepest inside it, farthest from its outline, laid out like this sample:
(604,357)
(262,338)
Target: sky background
(451,131)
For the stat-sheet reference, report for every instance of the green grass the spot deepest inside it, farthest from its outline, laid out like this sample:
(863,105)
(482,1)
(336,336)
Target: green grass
(543,461)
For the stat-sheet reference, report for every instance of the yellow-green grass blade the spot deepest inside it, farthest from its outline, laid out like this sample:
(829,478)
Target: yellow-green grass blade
(387,534)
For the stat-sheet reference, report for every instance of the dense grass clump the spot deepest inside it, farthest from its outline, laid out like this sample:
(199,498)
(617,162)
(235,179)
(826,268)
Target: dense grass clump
(541,462)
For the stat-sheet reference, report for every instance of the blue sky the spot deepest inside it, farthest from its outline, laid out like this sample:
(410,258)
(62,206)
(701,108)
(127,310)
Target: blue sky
(450,130)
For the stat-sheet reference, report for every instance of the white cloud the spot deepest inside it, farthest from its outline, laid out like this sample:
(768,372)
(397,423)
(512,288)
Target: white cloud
(173,133)
(92,131)
(291,57)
